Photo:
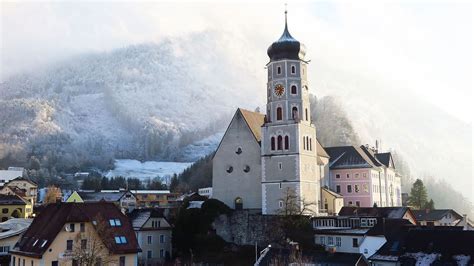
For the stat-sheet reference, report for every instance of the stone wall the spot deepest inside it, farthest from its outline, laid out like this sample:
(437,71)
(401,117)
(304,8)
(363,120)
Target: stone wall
(245,227)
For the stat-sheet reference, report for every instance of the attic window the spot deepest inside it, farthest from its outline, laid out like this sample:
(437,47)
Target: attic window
(120,240)
(36,241)
(115,222)
(44,243)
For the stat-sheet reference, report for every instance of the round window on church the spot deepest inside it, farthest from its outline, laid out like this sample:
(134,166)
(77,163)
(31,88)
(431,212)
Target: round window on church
(247,169)
(230,169)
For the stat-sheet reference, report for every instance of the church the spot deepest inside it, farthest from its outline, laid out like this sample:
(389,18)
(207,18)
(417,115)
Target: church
(263,157)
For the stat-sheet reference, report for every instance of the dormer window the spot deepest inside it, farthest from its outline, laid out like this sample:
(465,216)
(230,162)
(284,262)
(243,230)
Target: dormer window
(120,240)
(115,222)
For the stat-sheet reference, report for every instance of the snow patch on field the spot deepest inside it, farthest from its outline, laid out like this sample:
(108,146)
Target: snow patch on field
(146,170)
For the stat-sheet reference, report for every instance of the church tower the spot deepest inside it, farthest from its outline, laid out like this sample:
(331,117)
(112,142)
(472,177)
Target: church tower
(288,148)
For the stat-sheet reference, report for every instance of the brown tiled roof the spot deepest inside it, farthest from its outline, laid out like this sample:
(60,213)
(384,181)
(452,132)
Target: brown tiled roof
(434,215)
(54,217)
(254,121)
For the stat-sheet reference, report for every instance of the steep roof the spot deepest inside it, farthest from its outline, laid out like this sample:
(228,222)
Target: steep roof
(255,121)
(139,217)
(434,215)
(385,158)
(46,226)
(11,200)
(383,212)
(25,179)
(98,196)
(349,157)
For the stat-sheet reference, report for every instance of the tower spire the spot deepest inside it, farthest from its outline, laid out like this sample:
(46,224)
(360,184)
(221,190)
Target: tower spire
(286,15)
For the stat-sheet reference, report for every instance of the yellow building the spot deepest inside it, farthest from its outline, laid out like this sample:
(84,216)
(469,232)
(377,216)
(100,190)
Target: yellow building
(14,206)
(22,187)
(332,202)
(67,233)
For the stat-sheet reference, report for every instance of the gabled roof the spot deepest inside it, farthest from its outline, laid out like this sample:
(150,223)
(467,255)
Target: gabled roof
(13,227)
(255,121)
(11,200)
(46,226)
(24,179)
(434,215)
(382,212)
(98,196)
(332,192)
(343,157)
(139,217)
(385,158)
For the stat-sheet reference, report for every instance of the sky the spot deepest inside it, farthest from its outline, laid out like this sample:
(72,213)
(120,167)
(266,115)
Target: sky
(425,44)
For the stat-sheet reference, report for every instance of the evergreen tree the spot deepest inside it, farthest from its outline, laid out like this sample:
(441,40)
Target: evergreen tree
(174,183)
(430,205)
(418,195)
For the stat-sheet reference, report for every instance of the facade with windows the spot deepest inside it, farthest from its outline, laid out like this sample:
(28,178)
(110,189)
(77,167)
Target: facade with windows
(13,206)
(62,233)
(154,234)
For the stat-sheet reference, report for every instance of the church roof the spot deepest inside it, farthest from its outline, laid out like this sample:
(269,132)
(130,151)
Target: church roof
(320,150)
(286,47)
(254,121)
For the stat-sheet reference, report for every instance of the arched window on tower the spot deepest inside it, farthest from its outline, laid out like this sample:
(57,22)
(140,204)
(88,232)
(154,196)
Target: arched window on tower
(294,89)
(287,142)
(310,144)
(293,70)
(304,143)
(306,114)
(307,143)
(294,113)
(279,113)
(280,143)
(273,143)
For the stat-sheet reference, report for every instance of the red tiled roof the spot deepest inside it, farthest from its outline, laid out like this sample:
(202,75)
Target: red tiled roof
(53,218)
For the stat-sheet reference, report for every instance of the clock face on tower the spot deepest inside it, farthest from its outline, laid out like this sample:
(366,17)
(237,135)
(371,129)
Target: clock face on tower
(279,90)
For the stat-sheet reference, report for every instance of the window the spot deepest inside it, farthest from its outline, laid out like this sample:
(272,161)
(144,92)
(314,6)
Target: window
(348,175)
(355,242)
(365,251)
(278,70)
(322,240)
(357,175)
(149,240)
(293,69)
(120,240)
(230,169)
(338,176)
(356,188)
(83,243)
(294,112)
(338,189)
(115,222)
(239,150)
(349,189)
(279,113)
(162,253)
(280,204)
(44,243)
(82,227)
(162,238)
(5,210)
(280,143)
(280,185)
(13,260)
(310,144)
(306,114)
(294,89)
(350,203)
(273,143)
(53,263)
(69,245)
(304,143)
(280,165)
(365,187)
(148,254)
(358,203)
(338,241)
(287,142)
(247,169)
(122,261)
(330,240)
(72,227)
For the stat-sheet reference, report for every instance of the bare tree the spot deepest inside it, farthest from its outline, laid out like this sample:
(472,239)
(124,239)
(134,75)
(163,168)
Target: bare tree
(293,205)
(89,249)
(53,195)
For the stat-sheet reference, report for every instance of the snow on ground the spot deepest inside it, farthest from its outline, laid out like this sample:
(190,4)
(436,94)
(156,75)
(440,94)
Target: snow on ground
(146,170)
(201,148)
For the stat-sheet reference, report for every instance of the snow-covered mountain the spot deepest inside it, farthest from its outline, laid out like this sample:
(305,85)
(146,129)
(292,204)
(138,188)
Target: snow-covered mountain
(172,100)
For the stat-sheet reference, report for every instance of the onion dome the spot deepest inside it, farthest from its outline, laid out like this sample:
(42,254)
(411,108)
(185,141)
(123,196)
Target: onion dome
(286,47)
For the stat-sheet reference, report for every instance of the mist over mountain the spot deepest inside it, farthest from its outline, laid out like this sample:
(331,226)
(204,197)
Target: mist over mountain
(172,100)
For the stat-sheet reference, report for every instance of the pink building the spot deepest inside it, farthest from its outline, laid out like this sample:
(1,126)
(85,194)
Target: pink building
(364,177)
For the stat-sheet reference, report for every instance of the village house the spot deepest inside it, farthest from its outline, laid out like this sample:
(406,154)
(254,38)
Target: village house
(66,233)
(443,245)
(125,200)
(444,217)
(13,206)
(358,230)
(10,232)
(154,234)
(155,198)
(10,174)
(364,177)
(22,187)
